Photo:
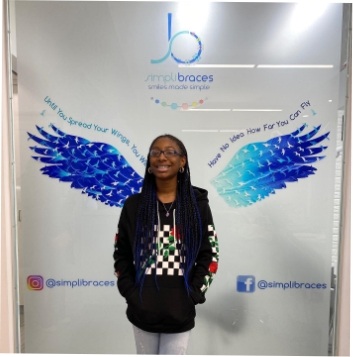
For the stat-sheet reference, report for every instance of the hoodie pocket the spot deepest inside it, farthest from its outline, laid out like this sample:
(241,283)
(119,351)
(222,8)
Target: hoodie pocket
(163,306)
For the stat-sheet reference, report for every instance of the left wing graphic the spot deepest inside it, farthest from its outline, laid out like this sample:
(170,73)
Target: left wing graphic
(98,169)
(259,169)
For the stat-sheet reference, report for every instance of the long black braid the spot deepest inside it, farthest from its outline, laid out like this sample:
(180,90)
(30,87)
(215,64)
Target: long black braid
(187,220)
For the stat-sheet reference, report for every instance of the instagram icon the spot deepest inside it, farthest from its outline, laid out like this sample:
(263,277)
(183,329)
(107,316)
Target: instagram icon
(35,282)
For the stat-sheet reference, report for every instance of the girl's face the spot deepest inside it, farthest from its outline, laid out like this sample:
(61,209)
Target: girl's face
(166,159)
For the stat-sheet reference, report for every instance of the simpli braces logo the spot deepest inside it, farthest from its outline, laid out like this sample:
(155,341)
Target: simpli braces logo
(171,39)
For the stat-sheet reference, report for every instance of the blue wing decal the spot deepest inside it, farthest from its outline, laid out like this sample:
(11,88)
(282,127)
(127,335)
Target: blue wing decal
(97,169)
(259,169)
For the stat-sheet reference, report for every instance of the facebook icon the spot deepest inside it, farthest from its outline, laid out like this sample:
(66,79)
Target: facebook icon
(246,283)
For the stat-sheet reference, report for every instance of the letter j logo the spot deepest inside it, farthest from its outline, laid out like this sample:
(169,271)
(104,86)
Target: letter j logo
(171,39)
(245,283)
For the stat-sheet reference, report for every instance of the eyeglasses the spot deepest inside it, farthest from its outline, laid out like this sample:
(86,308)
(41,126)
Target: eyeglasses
(167,153)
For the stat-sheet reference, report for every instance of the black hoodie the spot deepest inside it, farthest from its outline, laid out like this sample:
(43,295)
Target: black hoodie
(164,304)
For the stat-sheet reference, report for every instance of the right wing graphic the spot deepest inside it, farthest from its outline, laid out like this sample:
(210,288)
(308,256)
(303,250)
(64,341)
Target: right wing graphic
(259,169)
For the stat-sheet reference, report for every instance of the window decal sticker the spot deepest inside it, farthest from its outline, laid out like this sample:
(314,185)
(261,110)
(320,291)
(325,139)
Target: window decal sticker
(258,169)
(255,172)
(97,169)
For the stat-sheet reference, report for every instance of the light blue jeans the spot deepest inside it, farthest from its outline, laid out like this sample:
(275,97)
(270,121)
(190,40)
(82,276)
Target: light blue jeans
(148,343)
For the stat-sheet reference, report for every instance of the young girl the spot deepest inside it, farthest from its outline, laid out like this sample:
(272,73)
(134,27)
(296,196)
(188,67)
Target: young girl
(166,251)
